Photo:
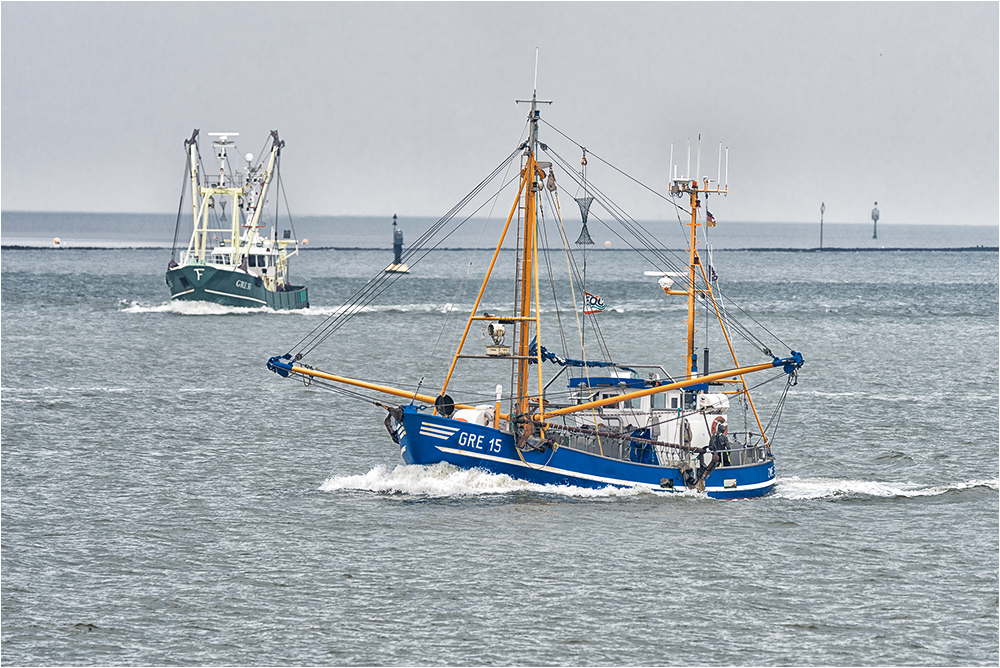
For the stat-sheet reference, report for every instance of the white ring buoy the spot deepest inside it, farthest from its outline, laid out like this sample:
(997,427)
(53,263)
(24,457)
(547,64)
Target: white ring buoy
(719,425)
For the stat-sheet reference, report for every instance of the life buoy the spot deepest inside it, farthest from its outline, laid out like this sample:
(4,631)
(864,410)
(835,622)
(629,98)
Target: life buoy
(719,426)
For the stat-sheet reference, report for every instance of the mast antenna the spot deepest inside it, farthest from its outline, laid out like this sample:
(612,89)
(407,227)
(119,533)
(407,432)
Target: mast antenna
(697,168)
(534,88)
(687,175)
(727,169)
(718,178)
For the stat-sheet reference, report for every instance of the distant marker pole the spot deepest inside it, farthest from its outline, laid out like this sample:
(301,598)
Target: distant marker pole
(822,210)
(875,221)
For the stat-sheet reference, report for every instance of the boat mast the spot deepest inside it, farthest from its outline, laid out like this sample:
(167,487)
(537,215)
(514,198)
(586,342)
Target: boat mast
(524,298)
(695,191)
(691,365)
(192,146)
(529,267)
(254,222)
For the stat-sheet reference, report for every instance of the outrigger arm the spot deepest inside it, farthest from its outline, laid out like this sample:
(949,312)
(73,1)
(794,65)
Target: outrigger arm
(788,365)
(284,365)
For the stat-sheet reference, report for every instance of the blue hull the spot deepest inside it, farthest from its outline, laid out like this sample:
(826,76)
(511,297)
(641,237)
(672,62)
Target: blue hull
(229,287)
(429,439)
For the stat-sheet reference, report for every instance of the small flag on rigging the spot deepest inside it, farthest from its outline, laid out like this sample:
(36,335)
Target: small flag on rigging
(592,304)
(709,218)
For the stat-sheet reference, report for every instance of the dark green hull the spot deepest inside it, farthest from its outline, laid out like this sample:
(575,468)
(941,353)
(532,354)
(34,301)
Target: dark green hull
(220,285)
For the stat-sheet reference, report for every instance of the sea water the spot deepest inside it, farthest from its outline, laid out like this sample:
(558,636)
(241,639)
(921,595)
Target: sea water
(168,500)
(118,230)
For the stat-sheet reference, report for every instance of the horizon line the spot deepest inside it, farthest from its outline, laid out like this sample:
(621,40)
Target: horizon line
(418,216)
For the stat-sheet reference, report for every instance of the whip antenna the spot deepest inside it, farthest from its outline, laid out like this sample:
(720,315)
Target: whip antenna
(534,88)
(718,179)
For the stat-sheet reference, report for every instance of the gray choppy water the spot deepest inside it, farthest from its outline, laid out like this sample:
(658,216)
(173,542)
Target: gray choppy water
(167,500)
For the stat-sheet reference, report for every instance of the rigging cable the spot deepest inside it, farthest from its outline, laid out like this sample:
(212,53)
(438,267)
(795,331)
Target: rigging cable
(375,286)
(461,288)
(638,232)
(291,224)
(779,408)
(180,204)
(634,226)
(625,174)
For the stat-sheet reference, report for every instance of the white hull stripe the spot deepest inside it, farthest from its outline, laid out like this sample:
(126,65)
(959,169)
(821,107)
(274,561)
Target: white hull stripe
(179,294)
(227,294)
(586,476)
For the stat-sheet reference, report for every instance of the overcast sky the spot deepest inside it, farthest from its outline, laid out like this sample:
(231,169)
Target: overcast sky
(404,107)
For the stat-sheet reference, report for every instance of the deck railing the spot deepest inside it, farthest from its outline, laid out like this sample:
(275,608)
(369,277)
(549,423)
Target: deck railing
(223,180)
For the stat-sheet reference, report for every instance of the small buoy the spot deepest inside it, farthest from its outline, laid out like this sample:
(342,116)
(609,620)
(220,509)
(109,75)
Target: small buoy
(56,241)
(607,243)
(305,242)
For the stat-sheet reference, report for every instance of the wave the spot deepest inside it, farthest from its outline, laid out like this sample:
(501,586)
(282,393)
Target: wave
(208,308)
(194,308)
(188,308)
(383,308)
(444,480)
(49,390)
(29,394)
(831,488)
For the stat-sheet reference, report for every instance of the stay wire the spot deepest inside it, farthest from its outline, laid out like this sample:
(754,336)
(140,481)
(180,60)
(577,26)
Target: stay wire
(371,291)
(633,226)
(625,174)
(385,284)
(376,285)
(288,211)
(751,338)
(601,343)
(635,229)
(552,280)
(460,293)
(180,204)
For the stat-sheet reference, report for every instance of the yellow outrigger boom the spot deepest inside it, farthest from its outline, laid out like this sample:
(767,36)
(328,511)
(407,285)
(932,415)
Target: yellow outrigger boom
(284,365)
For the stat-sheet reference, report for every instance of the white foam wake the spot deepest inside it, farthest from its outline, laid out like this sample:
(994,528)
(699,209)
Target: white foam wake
(208,308)
(821,488)
(376,308)
(189,308)
(445,480)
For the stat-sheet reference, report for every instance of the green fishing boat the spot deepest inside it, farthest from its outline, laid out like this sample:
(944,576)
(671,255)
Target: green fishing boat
(234,257)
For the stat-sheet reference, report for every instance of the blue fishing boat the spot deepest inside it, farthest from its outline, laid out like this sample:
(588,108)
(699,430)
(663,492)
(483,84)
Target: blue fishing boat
(234,258)
(582,417)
